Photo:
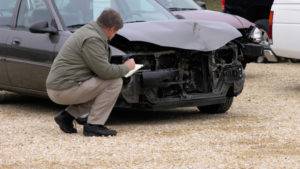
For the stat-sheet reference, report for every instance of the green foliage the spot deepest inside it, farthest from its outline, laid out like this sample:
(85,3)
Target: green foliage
(213,4)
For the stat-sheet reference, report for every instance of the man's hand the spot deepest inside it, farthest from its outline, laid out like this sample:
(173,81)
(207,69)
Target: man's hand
(130,64)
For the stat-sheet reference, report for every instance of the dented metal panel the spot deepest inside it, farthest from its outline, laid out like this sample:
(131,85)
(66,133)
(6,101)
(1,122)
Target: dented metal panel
(183,34)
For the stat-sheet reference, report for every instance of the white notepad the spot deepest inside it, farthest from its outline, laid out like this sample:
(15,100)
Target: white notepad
(136,68)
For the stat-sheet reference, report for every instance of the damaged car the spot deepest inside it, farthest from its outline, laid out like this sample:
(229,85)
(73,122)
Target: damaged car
(252,41)
(186,63)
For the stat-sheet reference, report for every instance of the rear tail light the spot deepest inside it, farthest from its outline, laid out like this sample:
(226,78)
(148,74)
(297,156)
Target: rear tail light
(223,5)
(271,25)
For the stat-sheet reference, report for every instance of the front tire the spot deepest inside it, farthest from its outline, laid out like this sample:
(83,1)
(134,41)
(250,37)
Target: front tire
(2,96)
(217,108)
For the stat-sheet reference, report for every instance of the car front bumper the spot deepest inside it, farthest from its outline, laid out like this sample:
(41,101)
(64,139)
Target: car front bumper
(251,51)
(137,94)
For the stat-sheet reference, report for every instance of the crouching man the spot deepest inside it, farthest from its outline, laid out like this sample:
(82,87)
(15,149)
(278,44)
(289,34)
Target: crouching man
(83,78)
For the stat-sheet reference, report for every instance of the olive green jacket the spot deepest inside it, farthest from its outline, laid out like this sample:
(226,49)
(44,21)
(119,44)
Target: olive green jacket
(85,54)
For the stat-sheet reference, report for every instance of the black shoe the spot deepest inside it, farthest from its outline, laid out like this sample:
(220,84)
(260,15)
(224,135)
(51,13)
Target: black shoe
(97,130)
(65,122)
(81,120)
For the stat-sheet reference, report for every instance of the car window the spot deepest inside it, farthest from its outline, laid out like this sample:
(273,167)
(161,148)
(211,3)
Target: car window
(32,11)
(78,12)
(142,10)
(140,6)
(179,4)
(6,12)
(75,12)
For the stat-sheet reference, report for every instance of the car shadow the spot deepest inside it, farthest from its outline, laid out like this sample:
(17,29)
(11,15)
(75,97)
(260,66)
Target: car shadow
(295,89)
(127,116)
(118,116)
(253,76)
(30,103)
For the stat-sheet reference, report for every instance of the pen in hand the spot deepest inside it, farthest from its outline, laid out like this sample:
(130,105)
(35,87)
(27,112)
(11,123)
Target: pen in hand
(129,63)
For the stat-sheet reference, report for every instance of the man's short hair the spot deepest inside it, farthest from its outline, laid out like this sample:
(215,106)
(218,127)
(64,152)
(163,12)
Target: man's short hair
(110,18)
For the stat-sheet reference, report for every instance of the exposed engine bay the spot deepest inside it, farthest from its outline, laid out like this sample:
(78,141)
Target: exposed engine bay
(171,74)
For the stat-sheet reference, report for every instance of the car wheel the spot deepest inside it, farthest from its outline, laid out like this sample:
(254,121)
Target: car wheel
(244,64)
(217,108)
(292,60)
(2,97)
(261,59)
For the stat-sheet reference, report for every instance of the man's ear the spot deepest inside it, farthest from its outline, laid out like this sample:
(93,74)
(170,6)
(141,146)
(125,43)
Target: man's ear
(112,29)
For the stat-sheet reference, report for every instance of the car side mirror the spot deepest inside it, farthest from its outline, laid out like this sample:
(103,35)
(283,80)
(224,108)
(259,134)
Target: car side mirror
(201,4)
(42,27)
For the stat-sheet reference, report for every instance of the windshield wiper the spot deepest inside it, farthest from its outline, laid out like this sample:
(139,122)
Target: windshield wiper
(75,25)
(134,21)
(181,9)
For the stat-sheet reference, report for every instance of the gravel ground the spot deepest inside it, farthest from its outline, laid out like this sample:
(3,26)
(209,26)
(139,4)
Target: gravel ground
(261,130)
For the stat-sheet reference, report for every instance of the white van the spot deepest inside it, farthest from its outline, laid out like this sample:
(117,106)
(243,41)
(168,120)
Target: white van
(284,28)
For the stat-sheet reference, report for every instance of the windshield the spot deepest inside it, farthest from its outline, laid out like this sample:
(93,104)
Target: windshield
(178,5)
(76,13)
(7,8)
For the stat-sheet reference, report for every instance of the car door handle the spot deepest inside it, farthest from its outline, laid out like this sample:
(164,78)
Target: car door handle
(15,42)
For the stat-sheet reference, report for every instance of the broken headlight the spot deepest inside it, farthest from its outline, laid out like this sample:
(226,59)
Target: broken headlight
(256,35)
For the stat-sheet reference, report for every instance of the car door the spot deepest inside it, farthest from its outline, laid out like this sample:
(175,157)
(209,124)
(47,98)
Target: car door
(30,54)
(6,18)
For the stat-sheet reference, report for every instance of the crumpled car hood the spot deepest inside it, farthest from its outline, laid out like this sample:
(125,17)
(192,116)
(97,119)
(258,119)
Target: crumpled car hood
(207,15)
(183,34)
